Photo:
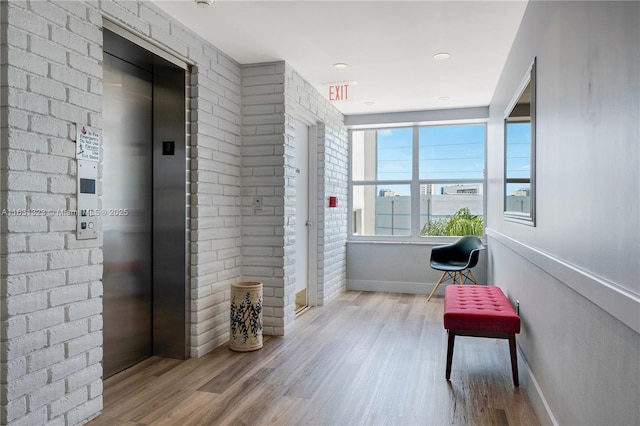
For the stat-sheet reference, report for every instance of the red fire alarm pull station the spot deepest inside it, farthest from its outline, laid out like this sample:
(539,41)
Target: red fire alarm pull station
(333,201)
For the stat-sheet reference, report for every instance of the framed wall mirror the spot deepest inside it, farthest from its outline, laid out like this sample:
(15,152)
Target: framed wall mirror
(520,152)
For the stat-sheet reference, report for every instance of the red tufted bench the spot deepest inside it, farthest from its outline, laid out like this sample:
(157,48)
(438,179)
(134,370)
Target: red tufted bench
(481,311)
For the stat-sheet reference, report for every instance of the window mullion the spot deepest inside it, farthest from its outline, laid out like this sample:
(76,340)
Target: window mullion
(415,186)
(350,219)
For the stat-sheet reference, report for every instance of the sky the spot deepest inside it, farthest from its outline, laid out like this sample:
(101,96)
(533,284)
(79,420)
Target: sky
(445,152)
(519,150)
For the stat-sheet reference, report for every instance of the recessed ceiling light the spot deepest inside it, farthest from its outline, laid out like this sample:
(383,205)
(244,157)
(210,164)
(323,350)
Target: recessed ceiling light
(441,56)
(340,65)
(369,103)
(444,98)
(204,3)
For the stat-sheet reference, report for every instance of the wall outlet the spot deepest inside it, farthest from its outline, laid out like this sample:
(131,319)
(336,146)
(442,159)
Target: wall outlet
(257,202)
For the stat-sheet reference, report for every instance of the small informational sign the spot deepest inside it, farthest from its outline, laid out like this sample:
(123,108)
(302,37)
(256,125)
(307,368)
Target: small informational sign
(339,92)
(87,143)
(87,213)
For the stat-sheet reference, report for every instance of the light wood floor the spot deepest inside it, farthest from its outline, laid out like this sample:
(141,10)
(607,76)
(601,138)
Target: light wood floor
(364,359)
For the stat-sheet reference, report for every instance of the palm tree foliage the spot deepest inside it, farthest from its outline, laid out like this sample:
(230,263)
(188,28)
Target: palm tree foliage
(461,223)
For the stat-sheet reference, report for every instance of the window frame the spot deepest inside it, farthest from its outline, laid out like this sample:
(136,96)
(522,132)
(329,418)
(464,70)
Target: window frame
(415,182)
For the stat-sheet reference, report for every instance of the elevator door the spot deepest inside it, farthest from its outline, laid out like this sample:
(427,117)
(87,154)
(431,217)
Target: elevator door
(127,231)
(144,198)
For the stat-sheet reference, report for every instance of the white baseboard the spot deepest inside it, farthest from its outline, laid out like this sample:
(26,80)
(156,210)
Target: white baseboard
(394,287)
(534,392)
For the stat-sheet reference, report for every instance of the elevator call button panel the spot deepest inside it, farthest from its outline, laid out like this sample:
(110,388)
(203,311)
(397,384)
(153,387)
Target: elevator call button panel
(87,213)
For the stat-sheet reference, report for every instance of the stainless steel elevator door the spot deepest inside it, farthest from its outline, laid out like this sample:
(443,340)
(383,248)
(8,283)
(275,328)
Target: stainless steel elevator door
(127,224)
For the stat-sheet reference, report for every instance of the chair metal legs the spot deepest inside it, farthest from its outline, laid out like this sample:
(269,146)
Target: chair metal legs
(471,277)
(462,277)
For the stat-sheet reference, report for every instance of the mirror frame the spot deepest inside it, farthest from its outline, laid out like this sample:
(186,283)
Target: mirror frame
(528,218)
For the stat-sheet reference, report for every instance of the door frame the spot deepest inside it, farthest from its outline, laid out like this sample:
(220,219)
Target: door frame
(312,208)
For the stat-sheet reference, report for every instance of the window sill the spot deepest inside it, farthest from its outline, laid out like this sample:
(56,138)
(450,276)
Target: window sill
(427,241)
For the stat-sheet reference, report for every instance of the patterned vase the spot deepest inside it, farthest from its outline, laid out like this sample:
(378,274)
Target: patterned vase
(245,332)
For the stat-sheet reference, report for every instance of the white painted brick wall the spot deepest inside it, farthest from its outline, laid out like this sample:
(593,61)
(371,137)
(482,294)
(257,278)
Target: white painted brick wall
(263,175)
(215,165)
(45,72)
(332,181)
(51,282)
(271,94)
(207,270)
(333,233)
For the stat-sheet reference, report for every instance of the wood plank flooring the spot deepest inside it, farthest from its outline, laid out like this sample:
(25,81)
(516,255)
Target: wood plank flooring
(364,359)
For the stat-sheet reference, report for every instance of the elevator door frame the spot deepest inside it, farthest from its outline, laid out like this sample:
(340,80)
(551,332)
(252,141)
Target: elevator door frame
(170,288)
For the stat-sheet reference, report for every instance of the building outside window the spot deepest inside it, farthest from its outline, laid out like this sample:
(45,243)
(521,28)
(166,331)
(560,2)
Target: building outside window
(518,172)
(418,181)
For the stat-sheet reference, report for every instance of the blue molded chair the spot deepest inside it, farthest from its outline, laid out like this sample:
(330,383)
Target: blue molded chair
(456,260)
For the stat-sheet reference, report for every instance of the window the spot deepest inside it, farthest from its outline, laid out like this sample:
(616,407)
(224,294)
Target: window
(418,181)
(519,153)
(382,164)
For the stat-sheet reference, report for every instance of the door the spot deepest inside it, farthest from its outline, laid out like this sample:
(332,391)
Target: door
(126,181)
(302,216)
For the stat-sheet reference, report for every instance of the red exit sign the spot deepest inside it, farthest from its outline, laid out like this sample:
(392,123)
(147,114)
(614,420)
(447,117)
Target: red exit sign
(338,92)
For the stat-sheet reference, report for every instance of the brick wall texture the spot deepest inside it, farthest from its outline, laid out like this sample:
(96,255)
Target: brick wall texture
(274,99)
(242,144)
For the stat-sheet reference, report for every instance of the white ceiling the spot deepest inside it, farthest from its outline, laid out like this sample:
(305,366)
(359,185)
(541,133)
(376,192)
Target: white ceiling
(388,45)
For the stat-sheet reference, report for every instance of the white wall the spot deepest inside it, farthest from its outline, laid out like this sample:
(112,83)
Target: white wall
(398,267)
(576,272)
(403,266)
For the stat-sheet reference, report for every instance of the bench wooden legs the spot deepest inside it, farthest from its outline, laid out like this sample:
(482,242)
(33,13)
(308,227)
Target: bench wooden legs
(452,338)
(514,359)
(512,349)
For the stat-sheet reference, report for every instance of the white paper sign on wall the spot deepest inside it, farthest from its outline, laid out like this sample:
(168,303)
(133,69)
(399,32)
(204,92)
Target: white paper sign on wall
(88,143)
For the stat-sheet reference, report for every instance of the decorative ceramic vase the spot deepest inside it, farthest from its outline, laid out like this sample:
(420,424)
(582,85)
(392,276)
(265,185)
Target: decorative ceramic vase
(245,332)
